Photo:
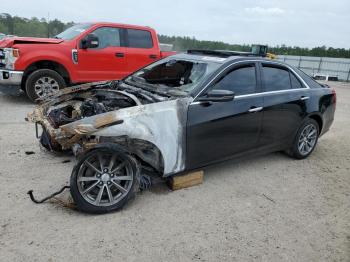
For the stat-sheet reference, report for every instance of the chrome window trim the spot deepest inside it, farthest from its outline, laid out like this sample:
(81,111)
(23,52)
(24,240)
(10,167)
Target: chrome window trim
(259,94)
(268,92)
(272,92)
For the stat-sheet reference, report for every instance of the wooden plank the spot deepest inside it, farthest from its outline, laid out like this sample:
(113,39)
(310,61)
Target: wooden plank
(187,180)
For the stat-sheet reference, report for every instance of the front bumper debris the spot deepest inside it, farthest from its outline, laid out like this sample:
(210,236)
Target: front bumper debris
(8,77)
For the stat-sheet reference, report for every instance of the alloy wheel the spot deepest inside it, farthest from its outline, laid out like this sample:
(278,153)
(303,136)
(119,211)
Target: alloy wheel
(307,139)
(104,179)
(45,86)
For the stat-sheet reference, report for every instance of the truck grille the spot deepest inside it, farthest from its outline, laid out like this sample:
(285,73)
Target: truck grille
(2,58)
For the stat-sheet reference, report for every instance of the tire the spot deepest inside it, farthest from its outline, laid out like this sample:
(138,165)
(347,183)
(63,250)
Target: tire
(42,82)
(311,129)
(100,176)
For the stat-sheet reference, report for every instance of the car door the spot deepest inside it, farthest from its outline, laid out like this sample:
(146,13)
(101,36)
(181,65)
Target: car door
(285,98)
(107,61)
(216,131)
(140,49)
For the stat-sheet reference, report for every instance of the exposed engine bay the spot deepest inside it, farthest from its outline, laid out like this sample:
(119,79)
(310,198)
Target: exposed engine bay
(102,99)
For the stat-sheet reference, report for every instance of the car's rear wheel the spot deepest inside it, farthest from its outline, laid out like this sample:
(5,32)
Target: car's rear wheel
(103,180)
(43,82)
(305,140)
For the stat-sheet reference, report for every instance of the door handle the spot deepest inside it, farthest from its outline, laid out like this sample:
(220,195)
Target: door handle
(119,54)
(153,56)
(255,109)
(303,98)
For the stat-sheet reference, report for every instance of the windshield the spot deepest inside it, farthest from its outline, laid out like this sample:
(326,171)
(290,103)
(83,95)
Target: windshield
(175,74)
(73,31)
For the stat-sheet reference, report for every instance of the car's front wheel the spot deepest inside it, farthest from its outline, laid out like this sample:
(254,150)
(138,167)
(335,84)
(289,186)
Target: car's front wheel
(305,140)
(43,82)
(103,180)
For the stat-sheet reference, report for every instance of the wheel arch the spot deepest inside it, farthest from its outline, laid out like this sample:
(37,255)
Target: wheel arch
(46,64)
(318,119)
(144,151)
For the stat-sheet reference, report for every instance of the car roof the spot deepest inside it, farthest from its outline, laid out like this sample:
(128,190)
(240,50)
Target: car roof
(221,59)
(119,25)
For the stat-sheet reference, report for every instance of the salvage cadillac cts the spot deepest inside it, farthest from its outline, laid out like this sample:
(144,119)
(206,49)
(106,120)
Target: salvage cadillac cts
(179,114)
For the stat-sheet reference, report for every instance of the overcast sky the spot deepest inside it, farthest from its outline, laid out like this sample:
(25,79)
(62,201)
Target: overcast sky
(305,23)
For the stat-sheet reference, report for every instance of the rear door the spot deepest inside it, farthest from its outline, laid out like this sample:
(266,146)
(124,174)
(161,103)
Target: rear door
(220,130)
(140,49)
(107,61)
(285,99)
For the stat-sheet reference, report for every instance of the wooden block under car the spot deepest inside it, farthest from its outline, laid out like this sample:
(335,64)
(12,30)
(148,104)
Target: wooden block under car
(187,180)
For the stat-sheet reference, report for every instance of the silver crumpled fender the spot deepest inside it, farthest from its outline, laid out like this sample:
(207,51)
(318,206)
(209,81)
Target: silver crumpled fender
(162,123)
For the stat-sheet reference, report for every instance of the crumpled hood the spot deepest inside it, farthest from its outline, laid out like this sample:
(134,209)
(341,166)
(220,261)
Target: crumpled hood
(65,94)
(10,41)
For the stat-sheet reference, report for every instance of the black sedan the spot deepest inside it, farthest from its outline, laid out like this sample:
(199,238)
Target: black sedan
(179,114)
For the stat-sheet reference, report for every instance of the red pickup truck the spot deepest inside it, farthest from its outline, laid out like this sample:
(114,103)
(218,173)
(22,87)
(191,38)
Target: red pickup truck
(85,52)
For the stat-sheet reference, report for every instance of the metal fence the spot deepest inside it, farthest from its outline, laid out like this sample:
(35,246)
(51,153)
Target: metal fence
(339,67)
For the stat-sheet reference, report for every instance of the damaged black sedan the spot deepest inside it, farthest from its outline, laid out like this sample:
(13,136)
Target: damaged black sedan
(179,114)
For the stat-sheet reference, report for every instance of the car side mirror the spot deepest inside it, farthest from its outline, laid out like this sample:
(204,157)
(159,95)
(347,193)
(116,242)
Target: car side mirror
(217,96)
(89,41)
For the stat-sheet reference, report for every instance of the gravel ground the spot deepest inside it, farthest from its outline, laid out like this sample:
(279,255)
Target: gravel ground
(270,208)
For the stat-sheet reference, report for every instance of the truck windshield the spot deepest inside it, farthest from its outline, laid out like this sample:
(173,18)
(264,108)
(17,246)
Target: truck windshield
(180,74)
(73,31)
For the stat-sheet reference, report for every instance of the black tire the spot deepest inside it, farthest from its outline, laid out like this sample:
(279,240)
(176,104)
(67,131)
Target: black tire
(295,151)
(83,203)
(41,73)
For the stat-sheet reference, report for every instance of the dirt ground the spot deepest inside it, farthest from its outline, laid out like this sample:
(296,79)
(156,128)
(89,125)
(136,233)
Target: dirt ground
(270,208)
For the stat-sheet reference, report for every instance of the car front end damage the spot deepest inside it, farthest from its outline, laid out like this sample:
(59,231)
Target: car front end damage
(149,126)
(123,132)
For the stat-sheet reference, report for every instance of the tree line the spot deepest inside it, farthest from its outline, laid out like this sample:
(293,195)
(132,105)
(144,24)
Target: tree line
(20,26)
(184,43)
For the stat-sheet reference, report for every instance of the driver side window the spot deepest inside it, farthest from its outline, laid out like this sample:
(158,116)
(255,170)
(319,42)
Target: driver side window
(107,36)
(242,80)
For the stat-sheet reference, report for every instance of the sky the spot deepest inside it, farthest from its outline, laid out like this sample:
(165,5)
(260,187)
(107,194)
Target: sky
(304,23)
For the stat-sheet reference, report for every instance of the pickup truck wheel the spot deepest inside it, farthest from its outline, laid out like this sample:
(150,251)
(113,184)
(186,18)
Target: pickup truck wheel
(103,180)
(43,82)
(306,139)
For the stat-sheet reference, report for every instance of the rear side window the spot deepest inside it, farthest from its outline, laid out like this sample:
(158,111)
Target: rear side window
(295,81)
(309,81)
(107,36)
(241,81)
(139,38)
(276,78)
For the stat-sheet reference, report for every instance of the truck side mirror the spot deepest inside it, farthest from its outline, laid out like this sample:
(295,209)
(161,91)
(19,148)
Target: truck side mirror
(89,41)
